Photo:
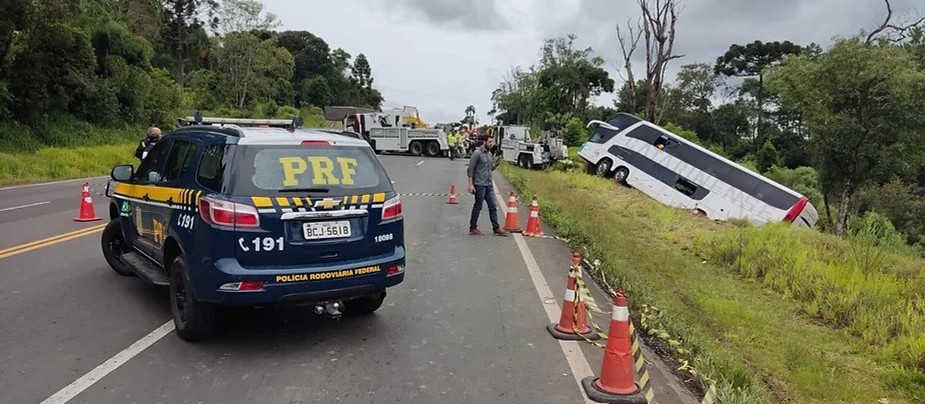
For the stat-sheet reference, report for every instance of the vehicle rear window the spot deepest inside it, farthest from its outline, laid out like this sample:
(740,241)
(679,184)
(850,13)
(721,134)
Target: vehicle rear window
(316,170)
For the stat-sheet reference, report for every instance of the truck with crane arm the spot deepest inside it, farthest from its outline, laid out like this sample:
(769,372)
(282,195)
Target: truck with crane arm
(514,144)
(397,130)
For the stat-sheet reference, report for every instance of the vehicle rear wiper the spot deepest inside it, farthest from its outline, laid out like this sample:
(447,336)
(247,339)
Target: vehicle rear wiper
(318,190)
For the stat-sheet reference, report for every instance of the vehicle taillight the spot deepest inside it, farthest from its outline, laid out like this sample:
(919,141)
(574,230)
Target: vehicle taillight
(228,214)
(315,143)
(391,209)
(796,209)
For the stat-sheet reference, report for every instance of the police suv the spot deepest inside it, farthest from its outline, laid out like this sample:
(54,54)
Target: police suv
(264,215)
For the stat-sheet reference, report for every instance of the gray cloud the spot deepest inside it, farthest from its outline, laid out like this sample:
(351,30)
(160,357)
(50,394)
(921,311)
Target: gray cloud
(480,15)
(706,28)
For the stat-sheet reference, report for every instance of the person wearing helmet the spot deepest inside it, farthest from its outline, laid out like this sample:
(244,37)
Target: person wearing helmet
(153,135)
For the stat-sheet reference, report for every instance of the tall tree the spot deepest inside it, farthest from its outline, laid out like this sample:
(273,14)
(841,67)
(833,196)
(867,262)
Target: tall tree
(569,77)
(249,67)
(659,28)
(751,60)
(628,45)
(181,18)
(361,72)
(863,107)
(245,16)
(470,115)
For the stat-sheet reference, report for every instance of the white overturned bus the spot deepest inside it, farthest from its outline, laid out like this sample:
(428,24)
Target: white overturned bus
(679,173)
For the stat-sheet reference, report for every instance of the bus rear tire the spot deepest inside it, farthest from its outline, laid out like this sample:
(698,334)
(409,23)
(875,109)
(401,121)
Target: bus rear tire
(620,175)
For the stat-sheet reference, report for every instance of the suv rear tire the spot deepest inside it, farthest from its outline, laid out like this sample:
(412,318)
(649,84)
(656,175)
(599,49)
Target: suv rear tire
(113,244)
(194,320)
(364,305)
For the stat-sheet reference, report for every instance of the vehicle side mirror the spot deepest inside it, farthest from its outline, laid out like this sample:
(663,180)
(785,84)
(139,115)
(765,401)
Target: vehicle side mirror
(123,173)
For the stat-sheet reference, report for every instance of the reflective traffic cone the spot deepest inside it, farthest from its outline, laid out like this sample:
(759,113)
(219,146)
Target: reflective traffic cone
(87,214)
(452,200)
(569,322)
(617,383)
(533,223)
(512,223)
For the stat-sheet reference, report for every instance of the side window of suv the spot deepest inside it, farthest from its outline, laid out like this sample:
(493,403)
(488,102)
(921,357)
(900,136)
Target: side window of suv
(151,168)
(212,167)
(179,160)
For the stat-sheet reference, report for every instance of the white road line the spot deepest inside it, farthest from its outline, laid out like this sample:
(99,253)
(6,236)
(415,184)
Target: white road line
(419,163)
(576,359)
(23,206)
(84,382)
(52,183)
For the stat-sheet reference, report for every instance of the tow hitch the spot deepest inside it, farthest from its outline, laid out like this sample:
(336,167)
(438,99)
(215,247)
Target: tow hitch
(332,309)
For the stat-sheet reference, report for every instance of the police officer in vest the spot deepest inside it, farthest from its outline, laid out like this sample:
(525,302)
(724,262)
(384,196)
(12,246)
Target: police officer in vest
(144,147)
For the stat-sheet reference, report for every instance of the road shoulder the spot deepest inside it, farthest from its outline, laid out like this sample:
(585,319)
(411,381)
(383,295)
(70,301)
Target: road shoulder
(554,258)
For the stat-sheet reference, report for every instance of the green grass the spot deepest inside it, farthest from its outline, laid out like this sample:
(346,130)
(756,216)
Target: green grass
(66,148)
(54,163)
(770,314)
(64,131)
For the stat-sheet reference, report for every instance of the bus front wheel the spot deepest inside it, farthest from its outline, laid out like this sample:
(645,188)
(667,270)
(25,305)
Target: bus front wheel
(619,176)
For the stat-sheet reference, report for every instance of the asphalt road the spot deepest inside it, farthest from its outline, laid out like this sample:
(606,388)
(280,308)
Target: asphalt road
(466,326)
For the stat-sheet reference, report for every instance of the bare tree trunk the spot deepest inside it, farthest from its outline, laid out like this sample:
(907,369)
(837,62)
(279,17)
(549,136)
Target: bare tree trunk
(828,210)
(760,127)
(659,29)
(844,204)
(628,50)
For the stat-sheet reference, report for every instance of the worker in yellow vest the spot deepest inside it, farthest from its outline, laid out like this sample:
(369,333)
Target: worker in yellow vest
(451,141)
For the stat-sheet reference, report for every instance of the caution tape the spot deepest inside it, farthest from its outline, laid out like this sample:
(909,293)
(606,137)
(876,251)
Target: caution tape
(640,366)
(710,397)
(583,295)
(639,362)
(424,194)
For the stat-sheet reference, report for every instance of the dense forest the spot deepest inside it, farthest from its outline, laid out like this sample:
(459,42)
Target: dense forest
(133,63)
(844,125)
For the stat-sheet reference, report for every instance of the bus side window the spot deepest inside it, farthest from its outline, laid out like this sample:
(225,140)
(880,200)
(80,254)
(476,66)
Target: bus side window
(664,142)
(685,187)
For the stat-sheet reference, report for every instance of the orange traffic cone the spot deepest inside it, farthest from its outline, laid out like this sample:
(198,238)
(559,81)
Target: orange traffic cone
(512,223)
(568,322)
(533,223)
(87,213)
(617,383)
(452,200)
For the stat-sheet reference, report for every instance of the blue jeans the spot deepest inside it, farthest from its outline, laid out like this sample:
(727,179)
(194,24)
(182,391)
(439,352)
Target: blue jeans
(484,193)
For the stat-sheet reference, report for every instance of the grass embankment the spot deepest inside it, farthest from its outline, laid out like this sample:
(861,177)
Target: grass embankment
(55,163)
(63,148)
(66,148)
(770,314)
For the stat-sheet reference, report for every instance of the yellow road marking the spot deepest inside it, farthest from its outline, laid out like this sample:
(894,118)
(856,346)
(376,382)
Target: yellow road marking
(9,252)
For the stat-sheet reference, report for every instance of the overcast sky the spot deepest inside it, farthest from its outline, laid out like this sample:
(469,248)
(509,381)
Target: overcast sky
(442,55)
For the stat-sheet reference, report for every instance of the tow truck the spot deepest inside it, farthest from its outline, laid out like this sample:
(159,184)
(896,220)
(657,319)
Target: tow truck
(398,130)
(515,145)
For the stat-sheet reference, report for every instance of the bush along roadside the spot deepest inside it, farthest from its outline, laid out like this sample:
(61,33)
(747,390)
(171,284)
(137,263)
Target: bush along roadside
(714,324)
(696,371)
